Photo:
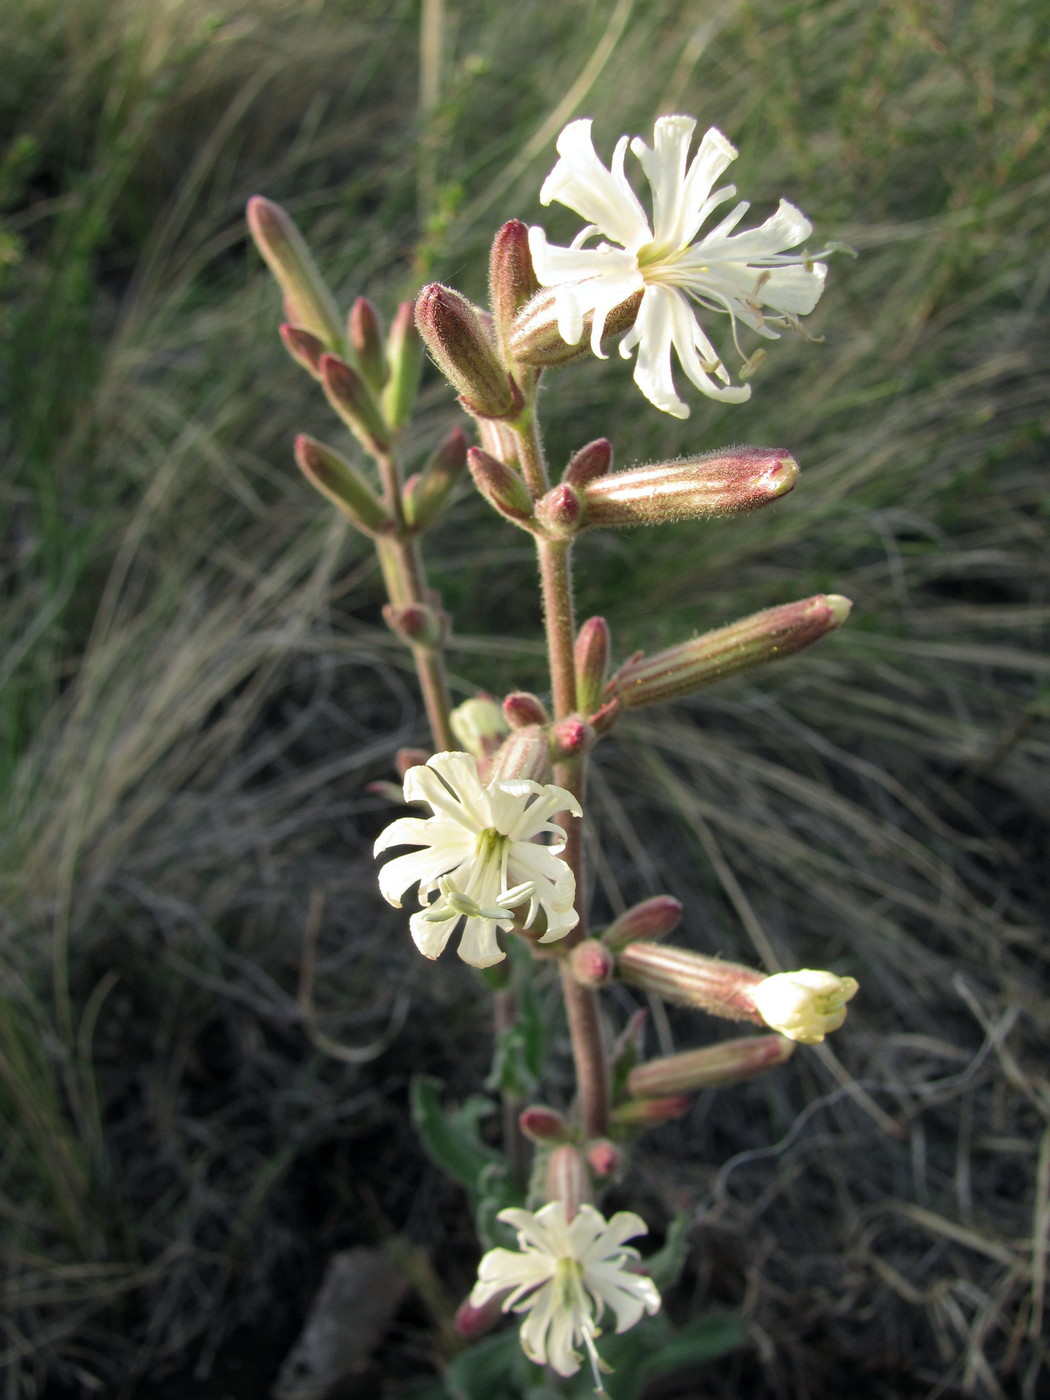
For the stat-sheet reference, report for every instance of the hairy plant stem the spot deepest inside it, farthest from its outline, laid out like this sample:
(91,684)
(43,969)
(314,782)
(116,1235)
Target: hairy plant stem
(581,1003)
(403,574)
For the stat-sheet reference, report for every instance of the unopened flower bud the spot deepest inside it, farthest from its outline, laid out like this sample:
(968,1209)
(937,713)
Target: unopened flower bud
(803,1005)
(592,963)
(567,1179)
(306,296)
(498,440)
(591,657)
(443,469)
(522,708)
(691,979)
(536,340)
(641,1113)
(365,333)
(404,357)
(303,347)
(603,1157)
(474,1320)
(525,753)
(543,1125)
(479,726)
(589,463)
(753,641)
(729,1063)
(560,512)
(418,624)
(651,919)
(344,486)
(572,737)
(352,399)
(720,483)
(501,486)
(462,347)
(512,280)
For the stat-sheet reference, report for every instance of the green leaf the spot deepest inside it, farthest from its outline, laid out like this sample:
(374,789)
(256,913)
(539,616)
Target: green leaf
(666,1265)
(451,1138)
(709,1336)
(489,1369)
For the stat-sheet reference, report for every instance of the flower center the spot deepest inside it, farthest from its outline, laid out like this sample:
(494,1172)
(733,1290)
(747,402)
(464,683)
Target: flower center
(659,262)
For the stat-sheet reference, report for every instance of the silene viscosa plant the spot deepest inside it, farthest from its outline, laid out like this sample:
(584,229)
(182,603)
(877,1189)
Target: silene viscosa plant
(496,859)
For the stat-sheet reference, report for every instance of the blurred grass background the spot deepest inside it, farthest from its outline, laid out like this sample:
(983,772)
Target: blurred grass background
(196,689)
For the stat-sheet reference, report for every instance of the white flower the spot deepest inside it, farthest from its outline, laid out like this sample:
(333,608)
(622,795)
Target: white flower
(803,1005)
(738,273)
(564,1277)
(479,857)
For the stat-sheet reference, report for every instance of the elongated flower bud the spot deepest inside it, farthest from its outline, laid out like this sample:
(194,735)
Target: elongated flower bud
(644,1113)
(365,333)
(352,399)
(404,356)
(729,1063)
(443,469)
(535,339)
(589,463)
(803,1005)
(653,918)
(512,281)
(303,347)
(753,641)
(543,1125)
(501,486)
(474,1320)
(344,486)
(567,1179)
(288,258)
(721,483)
(462,347)
(691,979)
(479,726)
(591,658)
(525,753)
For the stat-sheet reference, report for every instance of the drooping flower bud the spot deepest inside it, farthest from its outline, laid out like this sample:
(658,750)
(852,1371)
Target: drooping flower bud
(304,348)
(592,963)
(521,708)
(591,462)
(543,1125)
(501,486)
(307,298)
(512,280)
(404,357)
(567,1179)
(365,333)
(729,1063)
(803,1005)
(479,726)
(443,469)
(591,657)
(560,512)
(643,1113)
(352,399)
(344,486)
(720,483)
(461,345)
(691,979)
(753,641)
(651,919)
(536,340)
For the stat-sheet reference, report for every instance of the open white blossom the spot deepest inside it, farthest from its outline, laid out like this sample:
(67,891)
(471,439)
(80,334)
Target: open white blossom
(563,1276)
(676,272)
(803,1005)
(479,858)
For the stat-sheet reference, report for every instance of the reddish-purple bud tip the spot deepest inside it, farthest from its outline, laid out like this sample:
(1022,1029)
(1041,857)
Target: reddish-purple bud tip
(543,1125)
(589,463)
(521,708)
